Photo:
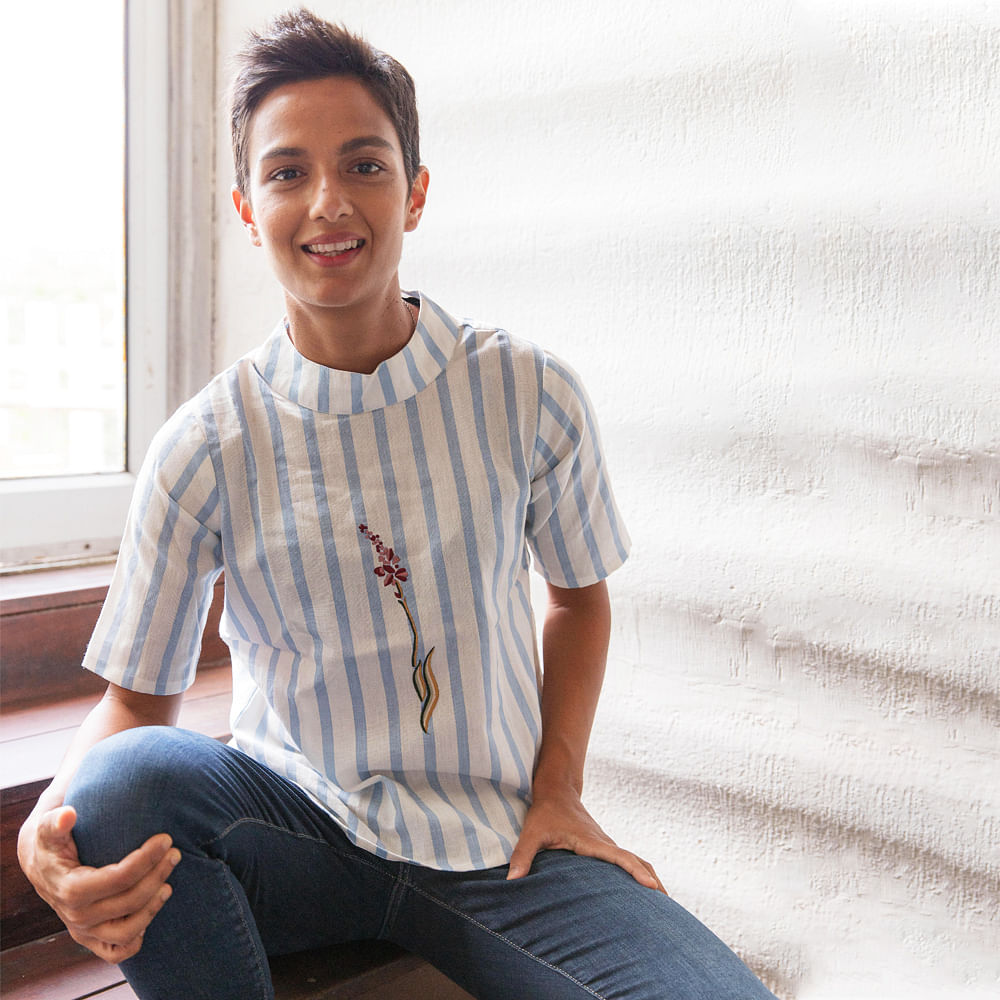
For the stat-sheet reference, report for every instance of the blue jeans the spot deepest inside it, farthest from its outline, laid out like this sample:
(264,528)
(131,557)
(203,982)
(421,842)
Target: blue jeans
(264,871)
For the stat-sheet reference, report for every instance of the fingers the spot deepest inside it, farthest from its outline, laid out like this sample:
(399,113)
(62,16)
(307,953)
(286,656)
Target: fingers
(145,896)
(605,849)
(114,954)
(584,838)
(657,884)
(156,855)
(106,909)
(642,871)
(116,939)
(520,860)
(62,820)
(55,833)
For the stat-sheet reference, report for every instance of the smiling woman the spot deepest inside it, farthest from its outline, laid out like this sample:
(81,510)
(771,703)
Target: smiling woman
(343,808)
(327,198)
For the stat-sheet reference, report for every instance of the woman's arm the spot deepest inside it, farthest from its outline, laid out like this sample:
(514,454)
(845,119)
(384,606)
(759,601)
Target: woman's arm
(105,909)
(574,652)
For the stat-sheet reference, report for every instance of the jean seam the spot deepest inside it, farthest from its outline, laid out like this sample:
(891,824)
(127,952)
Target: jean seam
(507,941)
(251,820)
(402,881)
(263,969)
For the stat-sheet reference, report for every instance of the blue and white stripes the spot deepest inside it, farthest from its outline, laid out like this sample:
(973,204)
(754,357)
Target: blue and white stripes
(462,453)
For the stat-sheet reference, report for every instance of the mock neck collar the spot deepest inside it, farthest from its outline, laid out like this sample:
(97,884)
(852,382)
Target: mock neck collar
(329,390)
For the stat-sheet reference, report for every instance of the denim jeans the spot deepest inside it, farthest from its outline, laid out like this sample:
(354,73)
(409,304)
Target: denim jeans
(264,871)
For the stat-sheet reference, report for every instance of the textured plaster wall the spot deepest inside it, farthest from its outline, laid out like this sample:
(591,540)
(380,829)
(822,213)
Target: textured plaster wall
(766,234)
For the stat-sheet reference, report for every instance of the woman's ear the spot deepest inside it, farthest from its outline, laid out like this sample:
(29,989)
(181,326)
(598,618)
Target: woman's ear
(245,212)
(418,196)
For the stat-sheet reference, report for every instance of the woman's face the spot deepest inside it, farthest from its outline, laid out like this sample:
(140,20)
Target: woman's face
(328,198)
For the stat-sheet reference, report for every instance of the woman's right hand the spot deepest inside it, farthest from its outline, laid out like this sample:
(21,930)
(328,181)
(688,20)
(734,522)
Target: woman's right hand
(108,909)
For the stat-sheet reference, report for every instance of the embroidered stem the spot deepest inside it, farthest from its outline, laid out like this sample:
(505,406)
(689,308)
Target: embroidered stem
(429,699)
(424,681)
(389,571)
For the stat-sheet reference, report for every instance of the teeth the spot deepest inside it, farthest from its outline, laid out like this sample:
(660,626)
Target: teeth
(333,247)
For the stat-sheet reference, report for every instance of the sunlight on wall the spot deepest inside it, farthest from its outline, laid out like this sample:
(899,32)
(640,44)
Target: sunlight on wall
(766,234)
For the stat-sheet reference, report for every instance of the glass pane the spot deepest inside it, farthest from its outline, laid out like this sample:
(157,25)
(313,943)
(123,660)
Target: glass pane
(62,261)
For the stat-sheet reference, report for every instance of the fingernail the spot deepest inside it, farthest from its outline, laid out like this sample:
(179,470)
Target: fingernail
(165,893)
(175,857)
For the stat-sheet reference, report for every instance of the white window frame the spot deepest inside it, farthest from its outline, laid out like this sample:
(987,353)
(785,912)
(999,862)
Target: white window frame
(169,112)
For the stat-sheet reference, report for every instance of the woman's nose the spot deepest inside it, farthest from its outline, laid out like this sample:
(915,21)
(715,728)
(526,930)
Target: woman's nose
(330,200)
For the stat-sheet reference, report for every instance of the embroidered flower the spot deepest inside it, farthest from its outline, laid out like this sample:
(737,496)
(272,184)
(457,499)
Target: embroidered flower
(390,570)
(392,574)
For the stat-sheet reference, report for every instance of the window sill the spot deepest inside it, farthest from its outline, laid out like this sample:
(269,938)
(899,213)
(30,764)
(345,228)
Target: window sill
(38,589)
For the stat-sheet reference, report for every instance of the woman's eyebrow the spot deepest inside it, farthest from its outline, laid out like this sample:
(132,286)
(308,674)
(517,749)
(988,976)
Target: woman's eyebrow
(281,152)
(293,152)
(365,140)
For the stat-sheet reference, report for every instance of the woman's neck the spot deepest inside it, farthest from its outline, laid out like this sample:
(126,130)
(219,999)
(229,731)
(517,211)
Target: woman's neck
(352,340)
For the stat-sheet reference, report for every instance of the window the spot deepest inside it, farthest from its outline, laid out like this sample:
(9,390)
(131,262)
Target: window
(68,452)
(62,266)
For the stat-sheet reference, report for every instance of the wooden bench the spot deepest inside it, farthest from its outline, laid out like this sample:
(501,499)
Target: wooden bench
(44,628)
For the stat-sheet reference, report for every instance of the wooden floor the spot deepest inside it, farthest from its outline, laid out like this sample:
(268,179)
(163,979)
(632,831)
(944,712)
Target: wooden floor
(56,968)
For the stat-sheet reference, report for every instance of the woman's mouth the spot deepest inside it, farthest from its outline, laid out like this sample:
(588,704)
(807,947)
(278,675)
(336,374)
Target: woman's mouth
(333,249)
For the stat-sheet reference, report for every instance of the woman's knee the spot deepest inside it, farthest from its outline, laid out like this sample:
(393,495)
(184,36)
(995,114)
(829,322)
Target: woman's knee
(133,785)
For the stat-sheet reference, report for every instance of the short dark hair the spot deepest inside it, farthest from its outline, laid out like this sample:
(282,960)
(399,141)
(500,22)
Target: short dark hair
(298,45)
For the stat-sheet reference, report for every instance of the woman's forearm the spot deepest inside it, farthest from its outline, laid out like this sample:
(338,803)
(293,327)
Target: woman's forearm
(574,652)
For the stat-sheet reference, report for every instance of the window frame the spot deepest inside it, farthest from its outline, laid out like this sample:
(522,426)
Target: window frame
(66,519)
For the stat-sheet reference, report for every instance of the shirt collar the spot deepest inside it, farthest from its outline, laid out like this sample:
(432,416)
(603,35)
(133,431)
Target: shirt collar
(328,390)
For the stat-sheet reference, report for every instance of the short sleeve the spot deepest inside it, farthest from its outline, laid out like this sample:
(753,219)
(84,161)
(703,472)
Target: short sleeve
(574,528)
(148,635)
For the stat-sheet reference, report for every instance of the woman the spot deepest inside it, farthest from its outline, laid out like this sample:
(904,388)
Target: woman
(374,479)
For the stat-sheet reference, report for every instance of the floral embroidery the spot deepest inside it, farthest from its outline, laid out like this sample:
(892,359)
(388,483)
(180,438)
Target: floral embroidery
(393,575)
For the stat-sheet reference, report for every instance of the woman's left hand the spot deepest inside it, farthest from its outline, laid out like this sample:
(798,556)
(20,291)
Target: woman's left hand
(559,821)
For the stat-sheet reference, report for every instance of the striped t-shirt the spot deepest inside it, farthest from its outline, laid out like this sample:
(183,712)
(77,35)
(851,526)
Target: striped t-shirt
(375,533)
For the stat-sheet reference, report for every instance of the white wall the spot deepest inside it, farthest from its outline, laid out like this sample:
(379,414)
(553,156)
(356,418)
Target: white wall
(766,234)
